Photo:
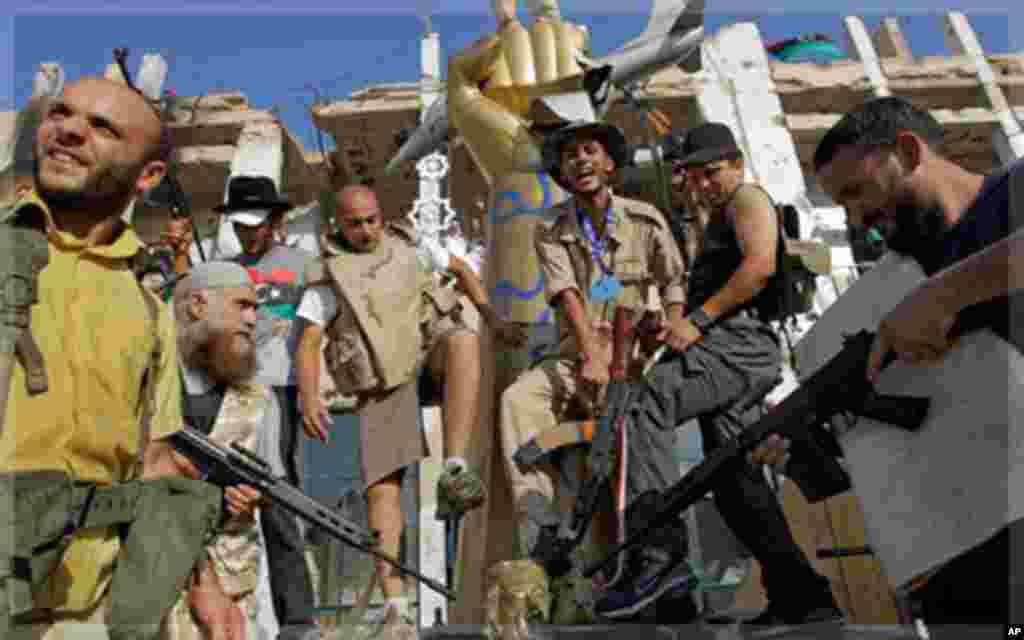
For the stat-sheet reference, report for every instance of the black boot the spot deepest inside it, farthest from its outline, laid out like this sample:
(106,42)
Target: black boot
(801,608)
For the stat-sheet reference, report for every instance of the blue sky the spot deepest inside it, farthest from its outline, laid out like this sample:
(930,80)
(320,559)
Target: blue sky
(273,51)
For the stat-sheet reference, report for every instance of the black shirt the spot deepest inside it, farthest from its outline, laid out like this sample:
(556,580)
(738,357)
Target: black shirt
(995,214)
(200,411)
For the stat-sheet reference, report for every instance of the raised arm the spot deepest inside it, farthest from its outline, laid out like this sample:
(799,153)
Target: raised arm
(918,328)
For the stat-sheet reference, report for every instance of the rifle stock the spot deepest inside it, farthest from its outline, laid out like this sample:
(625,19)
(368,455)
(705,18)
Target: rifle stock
(226,467)
(840,386)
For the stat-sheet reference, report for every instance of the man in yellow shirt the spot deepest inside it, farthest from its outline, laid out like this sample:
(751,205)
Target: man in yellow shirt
(99,146)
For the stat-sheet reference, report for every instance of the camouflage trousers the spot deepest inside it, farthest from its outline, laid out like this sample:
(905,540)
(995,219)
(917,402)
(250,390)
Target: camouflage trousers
(237,556)
(90,625)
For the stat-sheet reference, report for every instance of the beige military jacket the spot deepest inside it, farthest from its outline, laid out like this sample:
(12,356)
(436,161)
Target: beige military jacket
(642,254)
(386,300)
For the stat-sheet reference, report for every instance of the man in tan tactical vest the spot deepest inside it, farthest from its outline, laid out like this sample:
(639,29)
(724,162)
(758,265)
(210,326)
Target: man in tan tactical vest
(385,317)
(215,312)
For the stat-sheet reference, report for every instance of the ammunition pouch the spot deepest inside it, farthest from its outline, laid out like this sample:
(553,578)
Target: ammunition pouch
(175,518)
(41,510)
(38,512)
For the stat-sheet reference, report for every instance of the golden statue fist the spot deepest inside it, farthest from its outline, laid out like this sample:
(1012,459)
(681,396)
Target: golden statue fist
(491,88)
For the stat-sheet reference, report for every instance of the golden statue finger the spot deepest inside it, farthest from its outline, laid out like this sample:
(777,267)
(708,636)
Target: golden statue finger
(571,40)
(479,63)
(555,48)
(518,53)
(544,39)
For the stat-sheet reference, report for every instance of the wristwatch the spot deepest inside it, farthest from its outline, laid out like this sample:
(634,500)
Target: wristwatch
(700,320)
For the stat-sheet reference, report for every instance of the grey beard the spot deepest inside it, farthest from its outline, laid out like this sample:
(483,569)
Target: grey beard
(205,347)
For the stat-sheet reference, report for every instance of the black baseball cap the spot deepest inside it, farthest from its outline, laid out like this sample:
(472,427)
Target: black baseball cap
(709,142)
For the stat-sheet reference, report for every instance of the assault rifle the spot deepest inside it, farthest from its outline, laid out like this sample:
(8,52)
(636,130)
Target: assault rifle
(554,547)
(840,386)
(226,467)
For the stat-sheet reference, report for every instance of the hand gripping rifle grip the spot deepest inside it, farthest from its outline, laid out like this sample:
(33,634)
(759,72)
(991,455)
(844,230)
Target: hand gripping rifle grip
(906,412)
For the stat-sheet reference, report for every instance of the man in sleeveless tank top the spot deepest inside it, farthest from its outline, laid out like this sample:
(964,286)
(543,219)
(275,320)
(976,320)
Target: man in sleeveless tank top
(722,354)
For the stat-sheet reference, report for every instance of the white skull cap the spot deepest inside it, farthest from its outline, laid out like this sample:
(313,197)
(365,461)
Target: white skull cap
(216,275)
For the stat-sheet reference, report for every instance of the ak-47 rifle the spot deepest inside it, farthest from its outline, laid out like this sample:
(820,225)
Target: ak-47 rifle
(553,548)
(226,467)
(169,192)
(840,386)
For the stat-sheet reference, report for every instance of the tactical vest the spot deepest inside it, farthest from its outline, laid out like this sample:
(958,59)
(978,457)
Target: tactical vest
(375,341)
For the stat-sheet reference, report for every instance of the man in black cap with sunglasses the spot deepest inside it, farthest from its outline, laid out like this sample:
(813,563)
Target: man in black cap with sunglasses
(726,357)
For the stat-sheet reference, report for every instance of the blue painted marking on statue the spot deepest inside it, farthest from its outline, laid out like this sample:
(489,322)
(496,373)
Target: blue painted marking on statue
(505,289)
(509,205)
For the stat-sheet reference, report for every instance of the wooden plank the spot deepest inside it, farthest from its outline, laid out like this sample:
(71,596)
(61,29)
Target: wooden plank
(864,50)
(868,592)
(891,43)
(432,540)
(260,152)
(741,94)
(808,524)
(961,39)
(858,583)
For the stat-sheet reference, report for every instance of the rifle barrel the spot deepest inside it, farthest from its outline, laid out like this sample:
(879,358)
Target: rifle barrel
(245,471)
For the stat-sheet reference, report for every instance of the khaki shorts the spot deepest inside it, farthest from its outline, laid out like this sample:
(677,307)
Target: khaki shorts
(390,437)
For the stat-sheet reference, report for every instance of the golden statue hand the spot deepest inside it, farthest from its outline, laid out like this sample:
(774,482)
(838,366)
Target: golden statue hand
(492,84)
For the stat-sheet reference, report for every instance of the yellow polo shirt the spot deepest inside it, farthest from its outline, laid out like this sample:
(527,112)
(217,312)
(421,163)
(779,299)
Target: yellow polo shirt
(94,332)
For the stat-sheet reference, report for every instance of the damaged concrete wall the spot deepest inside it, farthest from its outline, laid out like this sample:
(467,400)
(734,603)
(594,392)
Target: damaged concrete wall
(813,97)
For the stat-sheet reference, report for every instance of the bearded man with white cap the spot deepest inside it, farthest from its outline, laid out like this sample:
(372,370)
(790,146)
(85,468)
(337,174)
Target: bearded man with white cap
(256,211)
(215,313)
